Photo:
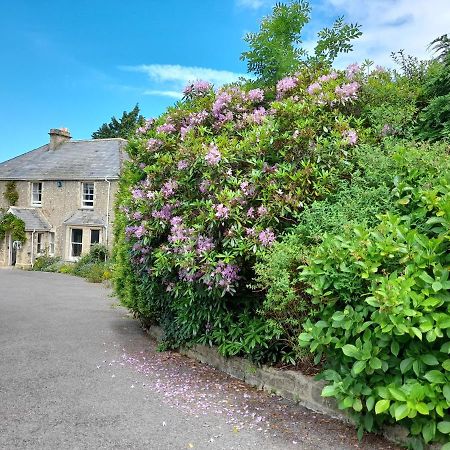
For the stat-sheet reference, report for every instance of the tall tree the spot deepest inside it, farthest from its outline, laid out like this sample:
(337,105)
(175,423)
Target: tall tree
(275,51)
(122,128)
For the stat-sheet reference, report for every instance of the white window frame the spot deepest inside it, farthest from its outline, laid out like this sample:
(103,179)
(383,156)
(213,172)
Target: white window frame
(51,243)
(40,187)
(40,244)
(72,243)
(86,201)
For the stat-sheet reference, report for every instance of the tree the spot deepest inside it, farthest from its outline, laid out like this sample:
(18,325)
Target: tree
(275,50)
(122,128)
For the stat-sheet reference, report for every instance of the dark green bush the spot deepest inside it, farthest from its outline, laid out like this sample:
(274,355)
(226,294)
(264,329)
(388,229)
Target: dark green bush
(383,322)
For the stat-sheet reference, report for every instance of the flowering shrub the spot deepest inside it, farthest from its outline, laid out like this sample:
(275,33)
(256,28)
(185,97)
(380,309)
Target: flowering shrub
(216,180)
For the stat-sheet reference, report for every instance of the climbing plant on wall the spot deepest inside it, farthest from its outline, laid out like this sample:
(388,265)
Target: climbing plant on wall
(10,224)
(11,195)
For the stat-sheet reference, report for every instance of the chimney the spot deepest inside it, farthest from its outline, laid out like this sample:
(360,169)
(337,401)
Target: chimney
(57,137)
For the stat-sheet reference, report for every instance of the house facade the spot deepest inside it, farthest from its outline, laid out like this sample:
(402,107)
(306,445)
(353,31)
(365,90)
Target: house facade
(66,191)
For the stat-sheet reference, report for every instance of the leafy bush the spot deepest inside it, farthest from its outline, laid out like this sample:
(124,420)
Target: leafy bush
(382,297)
(10,224)
(93,266)
(379,173)
(44,263)
(215,181)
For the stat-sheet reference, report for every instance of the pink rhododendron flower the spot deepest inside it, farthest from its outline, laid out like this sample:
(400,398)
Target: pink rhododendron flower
(350,136)
(347,92)
(204,244)
(255,95)
(147,125)
(137,193)
(284,85)
(199,87)
(153,144)
(314,88)
(204,186)
(267,237)
(221,211)
(166,128)
(262,211)
(183,164)
(213,156)
(169,188)
(352,70)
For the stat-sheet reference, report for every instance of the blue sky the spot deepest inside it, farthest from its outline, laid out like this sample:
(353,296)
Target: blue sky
(76,64)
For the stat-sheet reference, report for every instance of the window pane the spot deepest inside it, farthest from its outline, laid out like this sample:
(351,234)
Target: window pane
(77,241)
(36,197)
(95,237)
(88,194)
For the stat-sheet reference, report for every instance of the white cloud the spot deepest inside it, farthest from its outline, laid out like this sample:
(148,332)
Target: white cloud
(252,4)
(162,93)
(179,76)
(391,25)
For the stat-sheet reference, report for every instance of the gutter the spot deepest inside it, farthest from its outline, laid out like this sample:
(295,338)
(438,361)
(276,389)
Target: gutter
(32,247)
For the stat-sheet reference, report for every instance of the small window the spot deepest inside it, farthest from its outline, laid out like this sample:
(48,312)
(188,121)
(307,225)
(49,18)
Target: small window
(95,237)
(36,194)
(51,243)
(88,195)
(76,242)
(40,243)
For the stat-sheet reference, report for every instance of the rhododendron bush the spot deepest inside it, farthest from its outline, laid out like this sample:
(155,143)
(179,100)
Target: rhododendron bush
(216,180)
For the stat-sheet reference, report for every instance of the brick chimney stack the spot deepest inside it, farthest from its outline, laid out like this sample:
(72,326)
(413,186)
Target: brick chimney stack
(57,137)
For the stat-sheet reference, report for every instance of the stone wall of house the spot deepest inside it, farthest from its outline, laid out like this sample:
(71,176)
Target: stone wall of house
(58,204)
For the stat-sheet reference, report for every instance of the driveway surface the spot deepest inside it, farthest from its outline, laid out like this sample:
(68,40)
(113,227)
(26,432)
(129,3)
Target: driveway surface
(76,372)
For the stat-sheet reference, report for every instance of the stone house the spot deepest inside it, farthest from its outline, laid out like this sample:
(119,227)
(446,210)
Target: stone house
(66,192)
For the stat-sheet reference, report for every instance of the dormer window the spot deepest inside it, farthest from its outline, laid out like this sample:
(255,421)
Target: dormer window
(36,194)
(87,195)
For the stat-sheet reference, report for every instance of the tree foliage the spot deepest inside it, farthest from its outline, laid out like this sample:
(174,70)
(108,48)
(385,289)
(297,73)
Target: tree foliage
(122,128)
(275,51)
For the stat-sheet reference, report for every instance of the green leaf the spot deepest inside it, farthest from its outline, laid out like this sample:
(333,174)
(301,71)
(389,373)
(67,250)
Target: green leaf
(429,359)
(351,350)
(401,411)
(406,365)
(422,408)
(417,332)
(328,391)
(370,402)
(397,394)
(434,376)
(375,363)
(446,446)
(446,365)
(444,427)
(437,286)
(425,277)
(429,431)
(382,406)
(395,348)
(446,392)
(357,405)
(358,367)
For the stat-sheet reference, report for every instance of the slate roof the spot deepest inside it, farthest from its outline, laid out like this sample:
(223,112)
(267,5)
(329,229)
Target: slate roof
(72,160)
(33,218)
(85,217)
